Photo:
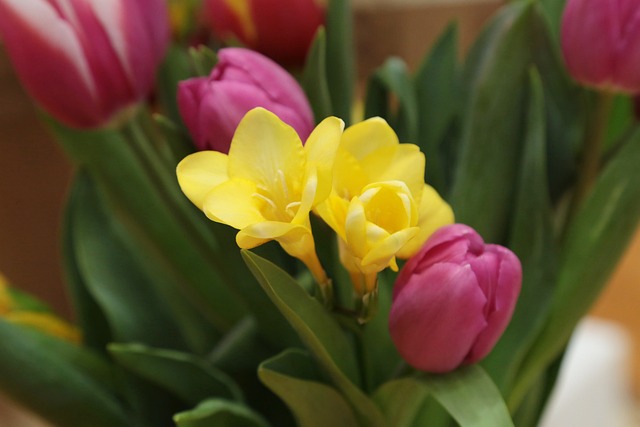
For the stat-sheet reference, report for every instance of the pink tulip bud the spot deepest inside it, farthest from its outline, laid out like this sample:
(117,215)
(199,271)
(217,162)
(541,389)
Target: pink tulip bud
(453,300)
(281,29)
(85,60)
(213,106)
(601,43)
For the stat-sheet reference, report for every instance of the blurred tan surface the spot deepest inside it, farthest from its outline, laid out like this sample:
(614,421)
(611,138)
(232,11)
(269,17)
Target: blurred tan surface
(620,302)
(33,182)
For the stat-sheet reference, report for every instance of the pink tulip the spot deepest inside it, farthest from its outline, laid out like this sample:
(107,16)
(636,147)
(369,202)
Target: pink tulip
(601,43)
(453,300)
(281,29)
(85,60)
(213,106)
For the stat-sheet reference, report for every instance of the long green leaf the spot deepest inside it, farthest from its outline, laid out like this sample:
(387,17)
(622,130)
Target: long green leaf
(392,78)
(293,376)
(134,197)
(595,241)
(314,79)
(220,413)
(400,400)
(437,88)
(491,137)
(124,293)
(340,58)
(469,395)
(319,332)
(62,382)
(188,377)
(533,240)
(95,328)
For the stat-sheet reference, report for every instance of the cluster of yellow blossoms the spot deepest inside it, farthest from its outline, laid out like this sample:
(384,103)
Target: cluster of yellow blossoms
(361,181)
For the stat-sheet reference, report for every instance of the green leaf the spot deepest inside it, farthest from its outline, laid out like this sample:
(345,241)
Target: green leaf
(178,241)
(437,88)
(219,413)
(65,384)
(469,395)
(496,76)
(175,67)
(293,376)
(318,331)
(314,78)
(186,376)
(533,240)
(392,78)
(127,297)
(566,105)
(400,401)
(595,241)
(203,60)
(340,58)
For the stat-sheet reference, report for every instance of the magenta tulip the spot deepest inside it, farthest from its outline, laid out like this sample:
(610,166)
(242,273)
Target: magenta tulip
(85,60)
(601,43)
(213,106)
(453,300)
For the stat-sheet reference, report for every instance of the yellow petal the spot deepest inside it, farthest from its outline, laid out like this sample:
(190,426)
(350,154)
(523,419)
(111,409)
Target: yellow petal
(366,137)
(402,162)
(382,254)
(235,203)
(333,211)
(293,238)
(348,176)
(434,213)
(321,149)
(356,228)
(264,147)
(200,172)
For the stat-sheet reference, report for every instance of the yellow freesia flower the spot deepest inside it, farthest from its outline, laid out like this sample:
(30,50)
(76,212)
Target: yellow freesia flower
(380,206)
(267,184)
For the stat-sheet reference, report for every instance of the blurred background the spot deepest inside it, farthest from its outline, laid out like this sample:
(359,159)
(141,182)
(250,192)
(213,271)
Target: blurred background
(35,175)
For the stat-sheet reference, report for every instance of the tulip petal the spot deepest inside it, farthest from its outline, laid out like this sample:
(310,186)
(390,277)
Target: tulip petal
(200,172)
(505,295)
(234,203)
(356,228)
(60,59)
(436,318)
(272,79)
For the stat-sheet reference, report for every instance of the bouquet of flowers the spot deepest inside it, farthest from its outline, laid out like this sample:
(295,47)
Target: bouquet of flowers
(247,242)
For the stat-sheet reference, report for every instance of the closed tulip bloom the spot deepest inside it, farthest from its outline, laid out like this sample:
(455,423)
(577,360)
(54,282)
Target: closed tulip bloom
(85,60)
(601,43)
(453,300)
(213,106)
(281,29)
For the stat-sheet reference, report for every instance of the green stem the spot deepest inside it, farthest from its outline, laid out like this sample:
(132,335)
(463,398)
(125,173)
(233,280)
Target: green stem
(591,153)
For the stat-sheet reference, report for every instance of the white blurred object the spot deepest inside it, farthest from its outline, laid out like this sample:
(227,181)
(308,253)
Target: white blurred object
(594,385)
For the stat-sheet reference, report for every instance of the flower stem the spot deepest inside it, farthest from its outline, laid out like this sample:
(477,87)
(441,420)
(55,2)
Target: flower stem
(591,152)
